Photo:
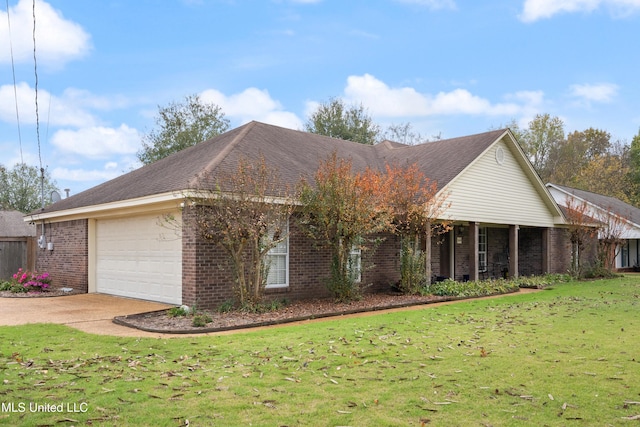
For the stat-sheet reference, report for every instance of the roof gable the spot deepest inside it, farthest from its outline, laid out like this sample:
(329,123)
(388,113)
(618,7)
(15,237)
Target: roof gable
(503,183)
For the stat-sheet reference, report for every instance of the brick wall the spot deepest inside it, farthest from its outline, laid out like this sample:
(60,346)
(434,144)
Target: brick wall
(561,252)
(68,263)
(530,251)
(560,246)
(206,272)
(207,279)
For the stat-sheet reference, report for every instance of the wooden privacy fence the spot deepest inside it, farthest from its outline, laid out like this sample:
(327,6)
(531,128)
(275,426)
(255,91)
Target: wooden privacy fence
(15,253)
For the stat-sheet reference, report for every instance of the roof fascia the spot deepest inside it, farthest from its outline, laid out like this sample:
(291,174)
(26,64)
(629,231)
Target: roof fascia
(146,204)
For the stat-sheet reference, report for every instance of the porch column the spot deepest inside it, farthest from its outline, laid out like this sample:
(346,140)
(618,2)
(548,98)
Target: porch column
(427,253)
(513,250)
(473,251)
(546,250)
(452,254)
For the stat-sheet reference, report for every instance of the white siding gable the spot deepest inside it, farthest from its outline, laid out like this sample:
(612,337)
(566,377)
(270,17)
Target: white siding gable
(495,189)
(627,230)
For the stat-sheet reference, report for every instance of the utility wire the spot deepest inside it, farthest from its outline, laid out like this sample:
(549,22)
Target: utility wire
(15,90)
(35,70)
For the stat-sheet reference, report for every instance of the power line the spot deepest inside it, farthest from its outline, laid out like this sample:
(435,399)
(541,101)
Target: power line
(35,70)
(15,90)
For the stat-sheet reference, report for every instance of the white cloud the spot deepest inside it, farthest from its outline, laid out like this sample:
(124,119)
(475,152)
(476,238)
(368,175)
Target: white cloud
(72,108)
(252,104)
(432,4)
(56,111)
(534,10)
(381,100)
(58,40)
(602,92)
(84,175)
(98,142)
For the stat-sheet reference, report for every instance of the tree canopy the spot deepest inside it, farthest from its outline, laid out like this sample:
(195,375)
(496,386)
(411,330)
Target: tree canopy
(21,188)
(337,120)
(588,160)
(634,166)
(544,132)
(180,125)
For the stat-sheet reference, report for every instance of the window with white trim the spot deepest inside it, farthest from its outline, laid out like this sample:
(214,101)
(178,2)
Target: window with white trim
(624,254)
(482,249)
(277,260)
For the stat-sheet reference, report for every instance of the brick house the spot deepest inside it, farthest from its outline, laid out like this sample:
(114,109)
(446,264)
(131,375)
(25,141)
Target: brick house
(613,217)
(110,238)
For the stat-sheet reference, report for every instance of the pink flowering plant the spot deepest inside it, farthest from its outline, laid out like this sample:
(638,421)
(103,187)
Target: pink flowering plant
(27,281)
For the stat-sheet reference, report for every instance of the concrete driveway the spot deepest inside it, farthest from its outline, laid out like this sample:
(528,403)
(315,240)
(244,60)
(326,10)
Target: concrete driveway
(88,312)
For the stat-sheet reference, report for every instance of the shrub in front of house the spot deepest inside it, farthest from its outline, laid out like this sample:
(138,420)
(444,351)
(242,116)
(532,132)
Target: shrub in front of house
(541,282)
(471,289)
(27,281)
(200,320)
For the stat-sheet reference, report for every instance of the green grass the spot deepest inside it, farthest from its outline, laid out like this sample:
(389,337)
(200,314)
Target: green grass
(565,356)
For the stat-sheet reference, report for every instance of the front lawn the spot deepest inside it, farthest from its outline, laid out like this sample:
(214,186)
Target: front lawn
(565,356)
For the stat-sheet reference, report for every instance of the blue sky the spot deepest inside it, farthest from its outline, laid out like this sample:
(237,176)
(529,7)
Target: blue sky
(449,67)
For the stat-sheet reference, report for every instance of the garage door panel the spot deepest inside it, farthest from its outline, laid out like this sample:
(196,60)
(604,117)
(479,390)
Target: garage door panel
(135,260)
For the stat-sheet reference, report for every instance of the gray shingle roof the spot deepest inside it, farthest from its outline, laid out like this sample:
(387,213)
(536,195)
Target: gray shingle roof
(13,225)
(610,204)
(295,154)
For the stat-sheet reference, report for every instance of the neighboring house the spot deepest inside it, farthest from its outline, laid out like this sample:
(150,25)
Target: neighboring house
(614,216)
(111,238)
(17,244)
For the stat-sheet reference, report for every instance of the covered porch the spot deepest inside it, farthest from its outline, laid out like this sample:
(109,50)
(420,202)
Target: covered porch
(477,251)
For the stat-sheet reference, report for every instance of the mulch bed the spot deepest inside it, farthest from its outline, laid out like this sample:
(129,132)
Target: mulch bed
(159,321)
(45,294)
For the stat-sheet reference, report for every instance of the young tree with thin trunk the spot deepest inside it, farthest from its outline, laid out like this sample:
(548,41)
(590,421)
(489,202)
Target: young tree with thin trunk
(417,210)
(246,212)
(340,210)
(610,239)
(582,227)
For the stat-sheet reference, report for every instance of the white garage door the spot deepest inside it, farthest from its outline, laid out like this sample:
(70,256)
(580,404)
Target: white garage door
(138,258)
